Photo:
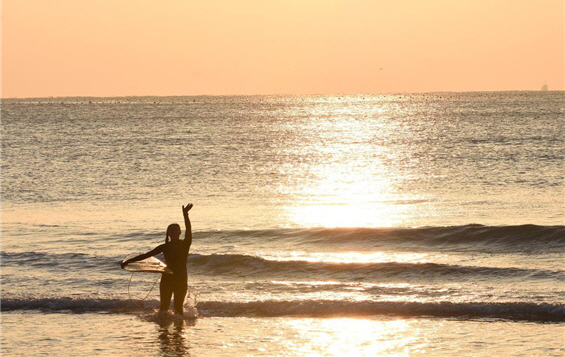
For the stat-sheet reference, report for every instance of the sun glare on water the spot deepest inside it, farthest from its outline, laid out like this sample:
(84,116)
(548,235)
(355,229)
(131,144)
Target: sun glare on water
(348,257)
(345,198)
(346,215)
(354,337)
(354,174)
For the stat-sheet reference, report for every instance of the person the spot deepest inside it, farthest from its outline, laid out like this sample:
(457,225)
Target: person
(176,254)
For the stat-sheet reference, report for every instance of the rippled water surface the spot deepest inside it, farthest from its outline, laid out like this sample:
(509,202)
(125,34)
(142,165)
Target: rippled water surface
(425,224)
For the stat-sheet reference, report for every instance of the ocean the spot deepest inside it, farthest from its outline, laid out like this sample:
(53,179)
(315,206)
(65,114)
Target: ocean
(361,225)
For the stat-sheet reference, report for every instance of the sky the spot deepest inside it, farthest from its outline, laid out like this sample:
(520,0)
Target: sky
(211,47)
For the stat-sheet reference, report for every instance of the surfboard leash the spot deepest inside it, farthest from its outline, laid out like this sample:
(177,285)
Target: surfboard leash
(150,290)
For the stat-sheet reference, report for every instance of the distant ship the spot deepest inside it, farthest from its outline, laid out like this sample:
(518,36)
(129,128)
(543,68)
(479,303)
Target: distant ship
(544,87)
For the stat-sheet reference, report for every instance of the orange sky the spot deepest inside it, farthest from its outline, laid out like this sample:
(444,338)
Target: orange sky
(192,47)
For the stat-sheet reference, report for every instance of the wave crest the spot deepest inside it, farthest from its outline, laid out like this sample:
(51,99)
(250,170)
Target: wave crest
(310,308)
(237,264)
(512,238)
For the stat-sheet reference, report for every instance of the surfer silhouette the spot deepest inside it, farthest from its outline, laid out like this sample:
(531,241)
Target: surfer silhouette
(176,254)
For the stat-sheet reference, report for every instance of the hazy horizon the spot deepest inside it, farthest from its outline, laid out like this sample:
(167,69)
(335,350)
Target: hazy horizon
(62,48)
(272,94)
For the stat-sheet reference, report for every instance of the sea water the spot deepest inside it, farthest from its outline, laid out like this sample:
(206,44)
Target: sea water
(422,224)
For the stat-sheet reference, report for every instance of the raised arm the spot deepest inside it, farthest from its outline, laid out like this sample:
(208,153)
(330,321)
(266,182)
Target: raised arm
(187,225)
(157,250)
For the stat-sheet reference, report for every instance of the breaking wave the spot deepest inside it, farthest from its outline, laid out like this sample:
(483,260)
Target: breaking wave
(241,265)
(310,308)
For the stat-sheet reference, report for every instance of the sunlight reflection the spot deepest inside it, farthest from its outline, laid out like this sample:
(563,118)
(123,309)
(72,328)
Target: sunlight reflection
(345,199)
(353,170)
(354,337)
(347,257)
(349,215)
(346,193)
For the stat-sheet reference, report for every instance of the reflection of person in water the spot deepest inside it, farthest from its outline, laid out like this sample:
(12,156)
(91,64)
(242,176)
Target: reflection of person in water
(172,337)
(176,254)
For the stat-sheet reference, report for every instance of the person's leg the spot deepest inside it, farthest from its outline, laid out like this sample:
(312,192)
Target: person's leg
(166,291)
(180,294)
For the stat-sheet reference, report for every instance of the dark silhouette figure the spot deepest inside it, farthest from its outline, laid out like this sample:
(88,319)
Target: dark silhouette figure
(176,254)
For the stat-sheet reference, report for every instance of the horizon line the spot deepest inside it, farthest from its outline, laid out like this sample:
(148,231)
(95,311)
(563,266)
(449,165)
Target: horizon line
(280,94)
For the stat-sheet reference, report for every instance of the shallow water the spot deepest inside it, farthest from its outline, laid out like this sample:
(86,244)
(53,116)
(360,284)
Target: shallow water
(96,334)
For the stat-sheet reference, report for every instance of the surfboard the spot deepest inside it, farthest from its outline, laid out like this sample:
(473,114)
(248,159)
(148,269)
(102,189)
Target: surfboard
(149,265)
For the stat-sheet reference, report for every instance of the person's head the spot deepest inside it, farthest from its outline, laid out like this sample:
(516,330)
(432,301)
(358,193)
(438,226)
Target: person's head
(173,232)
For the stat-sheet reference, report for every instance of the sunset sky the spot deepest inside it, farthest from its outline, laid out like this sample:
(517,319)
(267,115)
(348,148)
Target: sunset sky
(194,47)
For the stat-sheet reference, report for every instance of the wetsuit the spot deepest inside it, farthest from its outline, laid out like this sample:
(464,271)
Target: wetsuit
(176,255)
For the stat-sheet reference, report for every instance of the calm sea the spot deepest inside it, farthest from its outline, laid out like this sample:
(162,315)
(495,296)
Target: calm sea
(424,224)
